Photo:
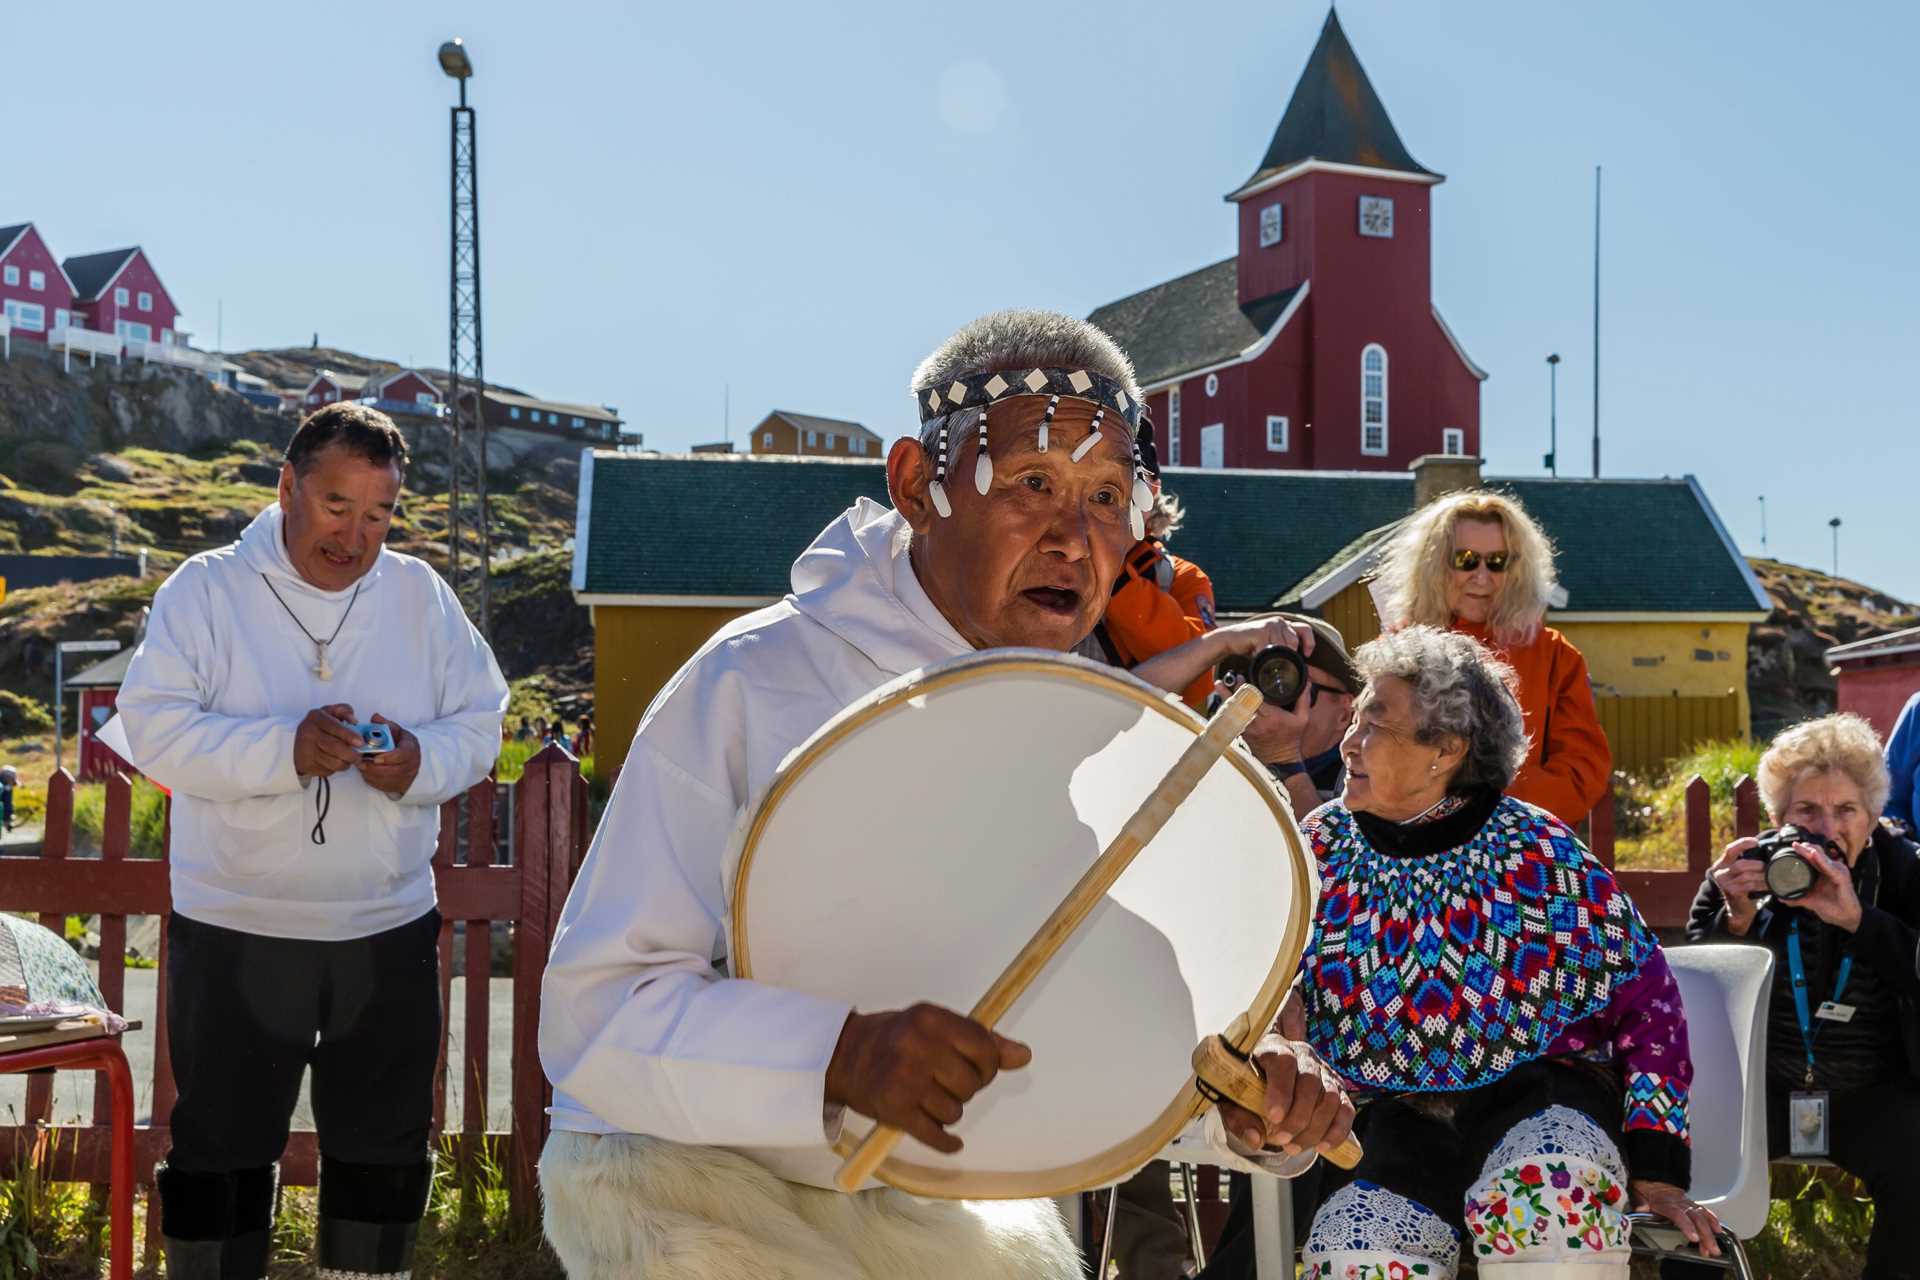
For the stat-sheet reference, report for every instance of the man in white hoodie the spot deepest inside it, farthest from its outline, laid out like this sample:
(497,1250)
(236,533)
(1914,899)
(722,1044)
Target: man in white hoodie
(693,1111)
(304,928)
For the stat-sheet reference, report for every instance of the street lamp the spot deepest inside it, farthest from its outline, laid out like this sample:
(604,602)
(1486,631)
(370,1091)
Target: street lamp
(1553,413)
(469,549)
(1834,524)
(454,61)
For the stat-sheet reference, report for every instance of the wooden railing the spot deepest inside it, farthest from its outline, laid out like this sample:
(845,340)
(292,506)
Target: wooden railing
(550,817)
(1664,895)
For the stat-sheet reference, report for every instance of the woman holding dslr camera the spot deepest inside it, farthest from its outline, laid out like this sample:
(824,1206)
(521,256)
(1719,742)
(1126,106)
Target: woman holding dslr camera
(1835,894)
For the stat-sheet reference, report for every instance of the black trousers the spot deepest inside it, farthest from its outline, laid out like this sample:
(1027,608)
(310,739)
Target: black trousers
(1873,1134)
(248,1014)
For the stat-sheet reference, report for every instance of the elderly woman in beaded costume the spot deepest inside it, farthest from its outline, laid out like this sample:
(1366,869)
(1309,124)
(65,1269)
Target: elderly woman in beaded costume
(1480,982)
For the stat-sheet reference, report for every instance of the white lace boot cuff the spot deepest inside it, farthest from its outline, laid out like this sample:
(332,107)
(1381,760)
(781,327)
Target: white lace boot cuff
(1365,1232)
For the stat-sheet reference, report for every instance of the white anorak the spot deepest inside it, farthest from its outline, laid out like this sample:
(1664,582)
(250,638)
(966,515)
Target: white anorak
(643,1029)
(221,682)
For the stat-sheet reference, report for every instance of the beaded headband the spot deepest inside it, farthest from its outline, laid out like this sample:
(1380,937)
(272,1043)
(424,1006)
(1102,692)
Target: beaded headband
(983,390)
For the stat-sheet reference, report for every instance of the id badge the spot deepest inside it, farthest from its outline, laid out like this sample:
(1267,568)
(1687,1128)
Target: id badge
(1807,1123)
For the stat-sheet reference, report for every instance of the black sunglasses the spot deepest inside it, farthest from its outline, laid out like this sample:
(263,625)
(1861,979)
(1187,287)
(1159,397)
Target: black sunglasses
(1466,561)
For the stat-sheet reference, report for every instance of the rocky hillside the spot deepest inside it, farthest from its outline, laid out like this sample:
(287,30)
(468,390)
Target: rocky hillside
(295,367)
(1787,673)
(162,459)
(52,421)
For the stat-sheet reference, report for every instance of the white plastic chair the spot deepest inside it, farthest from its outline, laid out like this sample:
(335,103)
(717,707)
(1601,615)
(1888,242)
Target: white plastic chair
(1724,988)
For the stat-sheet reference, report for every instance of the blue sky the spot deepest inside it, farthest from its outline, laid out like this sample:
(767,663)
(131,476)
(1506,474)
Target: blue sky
(796,202)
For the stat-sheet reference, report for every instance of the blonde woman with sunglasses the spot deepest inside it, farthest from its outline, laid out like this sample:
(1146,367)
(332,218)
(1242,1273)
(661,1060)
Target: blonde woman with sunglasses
(1476,562)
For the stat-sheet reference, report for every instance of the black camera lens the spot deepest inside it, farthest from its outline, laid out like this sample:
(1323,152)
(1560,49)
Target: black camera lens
(1790,876)
(1280,674)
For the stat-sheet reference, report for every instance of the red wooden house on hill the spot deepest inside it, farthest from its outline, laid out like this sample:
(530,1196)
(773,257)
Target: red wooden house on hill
(329,387)
(119,292)
(1317,346)
(409,388)
(35,295)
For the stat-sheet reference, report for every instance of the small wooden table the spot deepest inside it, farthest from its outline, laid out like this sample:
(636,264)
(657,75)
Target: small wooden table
(87,1046)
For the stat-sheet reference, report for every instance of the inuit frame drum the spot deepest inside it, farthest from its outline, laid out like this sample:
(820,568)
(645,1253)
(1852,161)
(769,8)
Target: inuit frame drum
(911,848)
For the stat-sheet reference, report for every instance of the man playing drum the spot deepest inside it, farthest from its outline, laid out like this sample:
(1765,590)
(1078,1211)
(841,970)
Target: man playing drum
(694,1112)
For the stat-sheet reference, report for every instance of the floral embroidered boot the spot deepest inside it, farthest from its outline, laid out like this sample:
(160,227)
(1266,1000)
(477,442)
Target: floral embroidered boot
(1550,1203)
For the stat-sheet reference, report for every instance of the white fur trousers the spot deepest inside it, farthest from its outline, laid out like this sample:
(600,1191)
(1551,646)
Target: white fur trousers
(623,1207)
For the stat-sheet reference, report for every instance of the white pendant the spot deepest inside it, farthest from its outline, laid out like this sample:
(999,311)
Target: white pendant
(983,471)
(321,668)
(938,492)
(1043,435)
(1138,521)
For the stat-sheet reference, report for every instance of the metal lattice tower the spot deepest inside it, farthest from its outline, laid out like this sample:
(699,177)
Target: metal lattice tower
(469,547)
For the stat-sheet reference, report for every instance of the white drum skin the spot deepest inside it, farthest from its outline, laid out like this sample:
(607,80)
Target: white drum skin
(912,847)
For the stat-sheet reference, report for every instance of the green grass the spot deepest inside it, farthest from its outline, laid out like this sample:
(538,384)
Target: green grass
(53,1231)
(1817,1225)
(1650,814)
(147,825)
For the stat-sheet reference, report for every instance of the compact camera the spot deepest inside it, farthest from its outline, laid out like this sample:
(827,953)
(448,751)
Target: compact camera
(1280,674)
(1790,876)
(378,737)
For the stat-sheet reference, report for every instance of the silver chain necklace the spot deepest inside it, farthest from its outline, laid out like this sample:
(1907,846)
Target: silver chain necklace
(320,667)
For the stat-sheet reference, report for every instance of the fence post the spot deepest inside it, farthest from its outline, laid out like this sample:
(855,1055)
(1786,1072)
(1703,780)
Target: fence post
(474,1081)
(115,837)
(547,798)
(442,858)
(1699,827)
(1746,808)
(57,845)
(164,1091)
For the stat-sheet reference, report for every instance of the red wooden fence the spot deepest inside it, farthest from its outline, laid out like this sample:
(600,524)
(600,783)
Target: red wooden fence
(550,807)
(1664,896)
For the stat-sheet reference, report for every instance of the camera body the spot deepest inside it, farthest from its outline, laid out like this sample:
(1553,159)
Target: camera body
(378,737)
(1790,877)
(1279,673)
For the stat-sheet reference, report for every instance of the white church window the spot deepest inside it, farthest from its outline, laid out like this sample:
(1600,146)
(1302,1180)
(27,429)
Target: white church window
(1373,399)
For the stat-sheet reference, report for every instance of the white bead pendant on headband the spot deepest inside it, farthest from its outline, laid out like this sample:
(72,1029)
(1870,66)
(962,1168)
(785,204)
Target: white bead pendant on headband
(938,490)
(983,461)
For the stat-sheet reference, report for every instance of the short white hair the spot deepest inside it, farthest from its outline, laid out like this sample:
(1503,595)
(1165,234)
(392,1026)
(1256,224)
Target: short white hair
(1844,744)
(1006,341)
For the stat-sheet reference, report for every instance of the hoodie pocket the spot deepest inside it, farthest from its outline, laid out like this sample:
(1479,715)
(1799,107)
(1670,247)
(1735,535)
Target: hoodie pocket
(400,836)
(260,835)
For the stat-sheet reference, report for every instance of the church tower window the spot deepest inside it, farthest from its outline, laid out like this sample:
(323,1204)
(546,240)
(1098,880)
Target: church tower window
(1373,399)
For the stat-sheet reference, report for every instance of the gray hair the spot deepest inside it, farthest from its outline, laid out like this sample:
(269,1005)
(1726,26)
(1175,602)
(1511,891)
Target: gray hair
(1460,690)
(1166,517)
(1009,340)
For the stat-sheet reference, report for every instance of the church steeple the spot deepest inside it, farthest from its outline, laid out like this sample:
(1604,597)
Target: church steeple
(1335,117)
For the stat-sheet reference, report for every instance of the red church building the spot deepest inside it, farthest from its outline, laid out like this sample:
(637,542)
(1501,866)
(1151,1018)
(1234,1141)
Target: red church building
(1317,346)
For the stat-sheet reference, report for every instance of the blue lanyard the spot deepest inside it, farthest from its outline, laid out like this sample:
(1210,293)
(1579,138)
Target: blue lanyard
(1799,971)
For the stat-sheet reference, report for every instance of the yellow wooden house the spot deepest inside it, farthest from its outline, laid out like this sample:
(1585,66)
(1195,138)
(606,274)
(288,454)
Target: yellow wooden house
(669,548)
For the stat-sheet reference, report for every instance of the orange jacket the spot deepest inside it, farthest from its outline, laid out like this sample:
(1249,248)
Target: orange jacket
(1144,619)
(1569,763)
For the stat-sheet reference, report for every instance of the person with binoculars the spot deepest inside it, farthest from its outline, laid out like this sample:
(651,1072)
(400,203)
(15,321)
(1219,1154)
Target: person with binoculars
(1834,893)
